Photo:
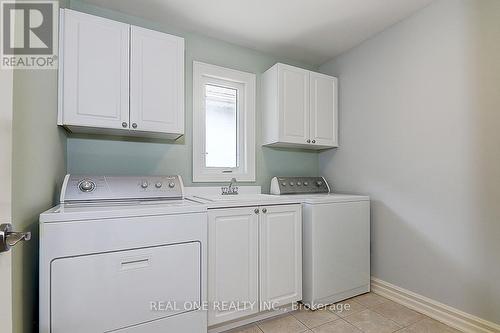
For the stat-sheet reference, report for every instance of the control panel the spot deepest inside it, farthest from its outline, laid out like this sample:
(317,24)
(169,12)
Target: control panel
(96,188)
(299,185)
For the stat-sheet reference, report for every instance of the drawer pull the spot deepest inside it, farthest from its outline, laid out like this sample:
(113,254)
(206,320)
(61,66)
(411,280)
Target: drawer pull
(134,264)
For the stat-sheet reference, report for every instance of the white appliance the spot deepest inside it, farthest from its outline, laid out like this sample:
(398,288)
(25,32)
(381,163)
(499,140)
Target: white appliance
(335,240)
(123,254)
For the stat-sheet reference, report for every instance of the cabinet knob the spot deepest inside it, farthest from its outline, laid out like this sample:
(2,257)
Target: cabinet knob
(264,210)
(124,125)
(308,141)
(134,125)
(314,141)
(256,211)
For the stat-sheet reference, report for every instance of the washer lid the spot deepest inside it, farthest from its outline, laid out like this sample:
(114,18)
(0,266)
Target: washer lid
(328,198)
(102,210)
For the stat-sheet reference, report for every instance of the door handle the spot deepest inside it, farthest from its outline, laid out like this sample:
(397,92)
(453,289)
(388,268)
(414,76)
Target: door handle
(9,238)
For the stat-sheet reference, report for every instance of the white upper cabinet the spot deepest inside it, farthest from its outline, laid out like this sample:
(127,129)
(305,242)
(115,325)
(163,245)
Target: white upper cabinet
(119,79)
(95,75)
(156,81)
(293,94)
(300,108)
(323,111)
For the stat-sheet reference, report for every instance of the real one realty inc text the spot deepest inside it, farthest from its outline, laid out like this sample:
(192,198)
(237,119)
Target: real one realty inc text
(223,306)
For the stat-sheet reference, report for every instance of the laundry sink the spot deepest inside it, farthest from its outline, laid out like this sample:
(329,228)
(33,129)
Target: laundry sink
(236,197)
(243,200)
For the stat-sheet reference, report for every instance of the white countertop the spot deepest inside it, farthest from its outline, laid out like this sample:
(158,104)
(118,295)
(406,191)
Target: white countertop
(243,200)
(247,196)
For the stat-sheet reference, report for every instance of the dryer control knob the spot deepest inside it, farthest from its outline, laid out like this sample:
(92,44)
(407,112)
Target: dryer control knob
(171,185)
(86,185)
(144,184)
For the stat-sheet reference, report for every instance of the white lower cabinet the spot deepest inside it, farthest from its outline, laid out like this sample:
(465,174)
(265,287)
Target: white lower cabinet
(280,256)
(254,260)
(233,263)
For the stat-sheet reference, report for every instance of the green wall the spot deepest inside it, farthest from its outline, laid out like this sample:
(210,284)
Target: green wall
(39,165)
(107,155)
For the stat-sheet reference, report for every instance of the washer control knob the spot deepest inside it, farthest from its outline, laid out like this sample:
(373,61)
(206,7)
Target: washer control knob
(291,184)
(158,185)
(306,183)
(299,183)
(319,183)
(144,184)
(283,184)
(171,185)
(86,185)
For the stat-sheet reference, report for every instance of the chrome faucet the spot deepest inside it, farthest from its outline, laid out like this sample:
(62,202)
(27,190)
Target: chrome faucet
(231,189)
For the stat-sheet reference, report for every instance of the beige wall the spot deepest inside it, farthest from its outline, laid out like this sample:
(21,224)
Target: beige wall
(420,133)
(39,166)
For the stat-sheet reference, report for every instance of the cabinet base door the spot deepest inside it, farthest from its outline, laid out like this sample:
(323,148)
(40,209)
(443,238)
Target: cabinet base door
(280,256)
(232,264)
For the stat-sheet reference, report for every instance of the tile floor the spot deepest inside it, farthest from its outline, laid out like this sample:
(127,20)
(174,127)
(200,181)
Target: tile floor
(368,313)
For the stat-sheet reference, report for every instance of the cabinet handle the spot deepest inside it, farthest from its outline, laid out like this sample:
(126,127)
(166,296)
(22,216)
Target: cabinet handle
(264,210)
(308,141)
(256,211)
(134,125)
(124,125)
(314,141)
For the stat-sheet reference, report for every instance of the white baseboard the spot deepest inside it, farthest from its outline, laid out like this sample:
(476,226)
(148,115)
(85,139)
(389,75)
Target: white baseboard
(446,314)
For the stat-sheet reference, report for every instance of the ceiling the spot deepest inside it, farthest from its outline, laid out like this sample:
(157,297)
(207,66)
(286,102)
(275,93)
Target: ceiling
(310,31)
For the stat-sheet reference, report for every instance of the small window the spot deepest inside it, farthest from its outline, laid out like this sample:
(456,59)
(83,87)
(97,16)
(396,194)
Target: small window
(223,124)
(221,112)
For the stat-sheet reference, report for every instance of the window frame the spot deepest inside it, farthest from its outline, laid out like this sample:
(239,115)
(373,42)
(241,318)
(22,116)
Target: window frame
(245,83)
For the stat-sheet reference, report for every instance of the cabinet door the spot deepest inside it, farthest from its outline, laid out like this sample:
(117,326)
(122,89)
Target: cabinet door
(95,80)
(293,101)
(280,255)
(323,109)
(156,82)
(232,263)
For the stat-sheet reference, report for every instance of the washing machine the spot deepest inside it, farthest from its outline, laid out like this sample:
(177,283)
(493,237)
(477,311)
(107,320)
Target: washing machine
(123,254)
(335,240)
